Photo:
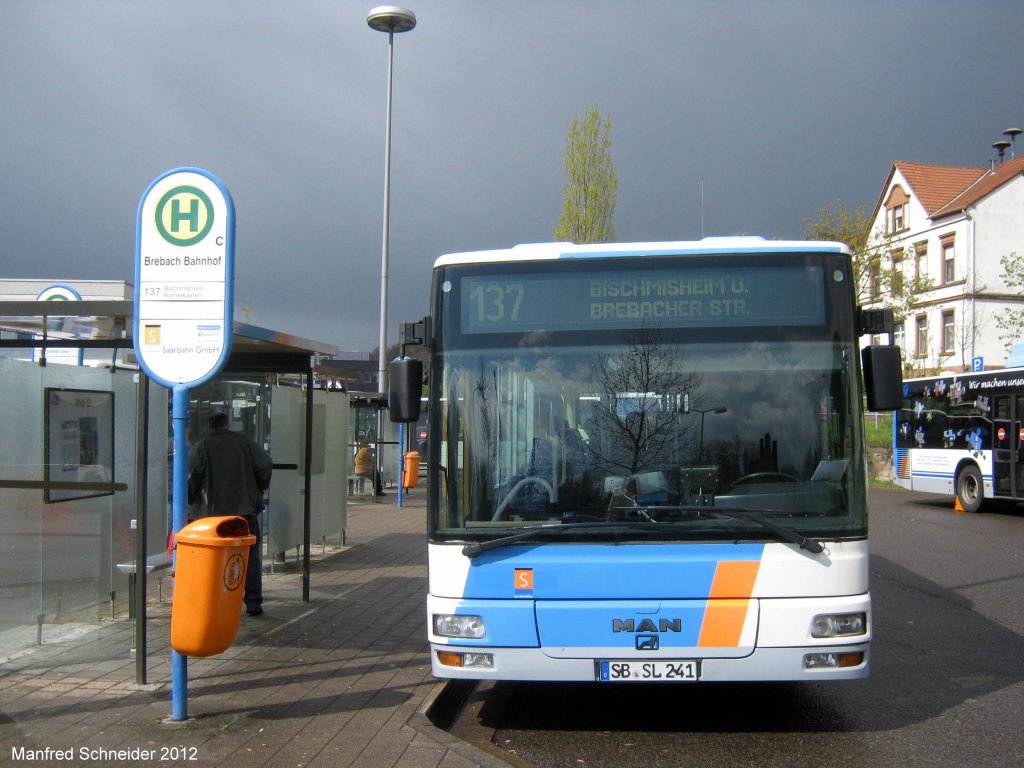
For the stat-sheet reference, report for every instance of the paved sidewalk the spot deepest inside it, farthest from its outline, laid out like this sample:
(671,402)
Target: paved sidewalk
(341,680)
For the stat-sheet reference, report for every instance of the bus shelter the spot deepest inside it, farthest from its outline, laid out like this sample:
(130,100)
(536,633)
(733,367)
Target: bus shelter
(85,459)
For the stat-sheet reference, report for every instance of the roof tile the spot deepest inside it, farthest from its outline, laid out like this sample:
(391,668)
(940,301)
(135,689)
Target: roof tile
(988,182)
(937,185)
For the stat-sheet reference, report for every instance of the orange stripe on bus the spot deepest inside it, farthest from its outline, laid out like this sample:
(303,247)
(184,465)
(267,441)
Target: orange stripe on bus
(727,604)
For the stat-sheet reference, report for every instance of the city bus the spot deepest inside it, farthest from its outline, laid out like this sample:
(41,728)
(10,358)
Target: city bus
(960,435)
(646,462)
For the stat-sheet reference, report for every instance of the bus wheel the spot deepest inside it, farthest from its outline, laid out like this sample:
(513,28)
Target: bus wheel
(969,489)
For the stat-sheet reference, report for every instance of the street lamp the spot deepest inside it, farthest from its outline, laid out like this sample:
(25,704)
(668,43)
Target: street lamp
(702,412)
(390,19)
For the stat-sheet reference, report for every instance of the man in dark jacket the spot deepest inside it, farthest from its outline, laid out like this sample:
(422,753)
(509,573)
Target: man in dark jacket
(229,472)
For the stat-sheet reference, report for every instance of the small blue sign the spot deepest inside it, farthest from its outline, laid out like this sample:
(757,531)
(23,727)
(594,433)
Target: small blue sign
(978,364)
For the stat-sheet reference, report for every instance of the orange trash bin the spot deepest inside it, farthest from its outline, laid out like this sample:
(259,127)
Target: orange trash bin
(209,584)
(411,470)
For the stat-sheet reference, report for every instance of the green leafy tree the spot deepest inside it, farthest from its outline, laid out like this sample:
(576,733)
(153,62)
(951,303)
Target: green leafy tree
(879,269)
(834,221)
(588,203)
(1011,321)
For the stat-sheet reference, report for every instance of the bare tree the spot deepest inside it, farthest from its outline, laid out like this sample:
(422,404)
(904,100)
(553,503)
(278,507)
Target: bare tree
(643,389)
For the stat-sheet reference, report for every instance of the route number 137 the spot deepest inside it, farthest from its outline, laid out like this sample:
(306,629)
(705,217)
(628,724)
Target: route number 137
(497,302)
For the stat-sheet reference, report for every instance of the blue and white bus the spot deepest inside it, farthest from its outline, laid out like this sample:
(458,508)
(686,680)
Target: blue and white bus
(646,462)
(961,434)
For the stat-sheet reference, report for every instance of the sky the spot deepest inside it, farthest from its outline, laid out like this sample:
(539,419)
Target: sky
(773,109)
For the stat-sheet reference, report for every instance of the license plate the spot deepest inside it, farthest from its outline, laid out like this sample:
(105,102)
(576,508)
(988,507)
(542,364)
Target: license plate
(662,671)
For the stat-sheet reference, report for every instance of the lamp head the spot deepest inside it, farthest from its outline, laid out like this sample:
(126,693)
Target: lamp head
(391,19)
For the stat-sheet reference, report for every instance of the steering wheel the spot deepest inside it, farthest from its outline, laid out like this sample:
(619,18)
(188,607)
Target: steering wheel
(552,496)
(765,477)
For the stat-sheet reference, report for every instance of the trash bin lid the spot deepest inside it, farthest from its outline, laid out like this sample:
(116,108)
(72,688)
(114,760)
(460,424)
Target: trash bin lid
(230,531)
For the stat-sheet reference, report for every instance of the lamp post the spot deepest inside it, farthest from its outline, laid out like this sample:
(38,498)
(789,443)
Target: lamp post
(390,19)
(703,412)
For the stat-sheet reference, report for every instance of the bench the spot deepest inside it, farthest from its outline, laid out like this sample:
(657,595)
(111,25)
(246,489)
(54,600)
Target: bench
(158,562)
(357,485)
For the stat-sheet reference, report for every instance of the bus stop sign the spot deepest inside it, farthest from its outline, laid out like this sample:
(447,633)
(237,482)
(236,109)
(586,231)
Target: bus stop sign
(184,277)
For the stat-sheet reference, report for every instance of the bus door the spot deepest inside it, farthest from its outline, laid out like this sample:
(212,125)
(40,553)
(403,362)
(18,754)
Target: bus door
(1006,479)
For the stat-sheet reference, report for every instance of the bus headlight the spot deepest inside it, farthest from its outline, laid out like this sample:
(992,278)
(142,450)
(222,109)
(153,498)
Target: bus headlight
(839,625)
(833,660)
(454,625)
(466,660)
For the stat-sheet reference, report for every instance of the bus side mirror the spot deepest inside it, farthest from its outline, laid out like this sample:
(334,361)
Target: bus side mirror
(883,377)
(404,390)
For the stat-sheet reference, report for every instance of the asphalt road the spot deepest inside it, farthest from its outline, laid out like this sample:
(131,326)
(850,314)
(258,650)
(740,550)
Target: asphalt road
(946,689)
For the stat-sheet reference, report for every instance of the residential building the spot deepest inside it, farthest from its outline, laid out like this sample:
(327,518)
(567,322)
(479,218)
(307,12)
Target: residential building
(940,233)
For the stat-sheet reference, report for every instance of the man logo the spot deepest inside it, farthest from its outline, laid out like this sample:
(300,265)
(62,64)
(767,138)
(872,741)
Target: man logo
(184,215)
(647,625)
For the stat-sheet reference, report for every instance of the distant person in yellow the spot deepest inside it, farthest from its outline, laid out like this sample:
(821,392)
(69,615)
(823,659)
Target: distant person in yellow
(366,467)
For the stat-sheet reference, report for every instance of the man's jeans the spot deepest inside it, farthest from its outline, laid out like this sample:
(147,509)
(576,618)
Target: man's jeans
(254,571)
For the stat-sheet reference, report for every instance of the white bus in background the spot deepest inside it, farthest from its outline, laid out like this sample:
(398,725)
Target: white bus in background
(961,435)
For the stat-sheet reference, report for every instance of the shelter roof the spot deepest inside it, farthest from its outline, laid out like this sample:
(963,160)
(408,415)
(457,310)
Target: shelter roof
(108,324)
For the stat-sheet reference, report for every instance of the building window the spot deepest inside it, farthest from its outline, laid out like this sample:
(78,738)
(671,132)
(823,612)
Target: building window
(875,280)
(948,332)
(897,218)
(897,274)
(948,260)
(921,323)
(896,210)
(920,264)
(899,336)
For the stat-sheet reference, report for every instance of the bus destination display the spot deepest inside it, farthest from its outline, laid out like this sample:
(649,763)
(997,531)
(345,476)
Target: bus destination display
(680,298)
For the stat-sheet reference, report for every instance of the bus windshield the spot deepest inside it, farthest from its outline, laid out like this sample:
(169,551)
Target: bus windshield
(566,395)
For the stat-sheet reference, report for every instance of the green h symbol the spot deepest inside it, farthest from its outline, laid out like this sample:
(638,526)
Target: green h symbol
(193,219)
(191,216)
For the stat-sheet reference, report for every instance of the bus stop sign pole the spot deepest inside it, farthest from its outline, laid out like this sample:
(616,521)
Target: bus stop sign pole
(184,308)
(179,510)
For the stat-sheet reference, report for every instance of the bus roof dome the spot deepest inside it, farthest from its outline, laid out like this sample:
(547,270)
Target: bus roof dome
(708,245)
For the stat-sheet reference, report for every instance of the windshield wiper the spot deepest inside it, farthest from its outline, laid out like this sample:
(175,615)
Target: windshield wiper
(757,516)
(476,548)
(811,545)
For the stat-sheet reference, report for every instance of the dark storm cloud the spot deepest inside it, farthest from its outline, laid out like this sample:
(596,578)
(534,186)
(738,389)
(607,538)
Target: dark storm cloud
(780,107)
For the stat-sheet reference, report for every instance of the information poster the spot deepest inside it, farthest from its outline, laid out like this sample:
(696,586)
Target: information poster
(79,440)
